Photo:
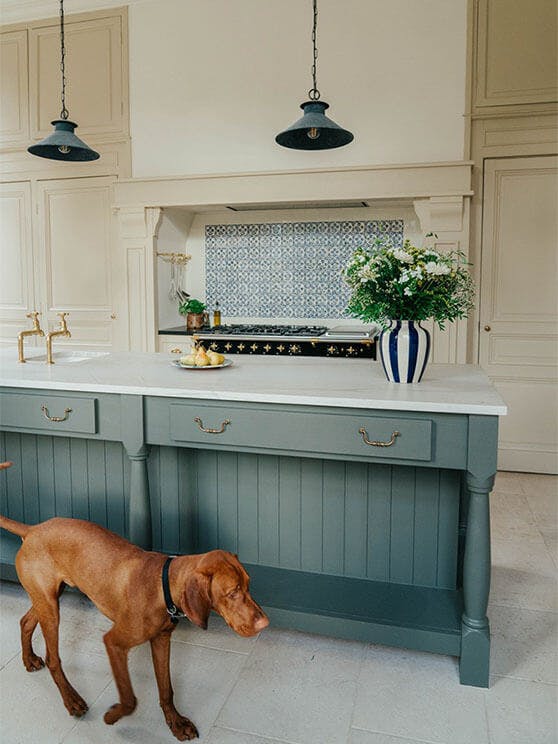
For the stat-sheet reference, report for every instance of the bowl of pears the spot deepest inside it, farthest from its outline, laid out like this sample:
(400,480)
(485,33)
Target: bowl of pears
(200,358)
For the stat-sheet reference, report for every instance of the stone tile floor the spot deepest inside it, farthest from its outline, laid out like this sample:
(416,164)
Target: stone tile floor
(292,688)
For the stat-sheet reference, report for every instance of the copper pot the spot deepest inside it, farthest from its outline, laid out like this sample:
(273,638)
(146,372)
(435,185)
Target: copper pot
(195,321)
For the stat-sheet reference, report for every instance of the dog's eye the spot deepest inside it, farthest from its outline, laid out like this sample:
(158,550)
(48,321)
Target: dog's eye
(234,593)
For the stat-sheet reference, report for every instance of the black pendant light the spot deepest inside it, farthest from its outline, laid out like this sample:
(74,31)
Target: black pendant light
(314,130)
(63,144)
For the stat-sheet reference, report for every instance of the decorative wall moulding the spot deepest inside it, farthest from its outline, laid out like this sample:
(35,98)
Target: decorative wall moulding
(409,181)
(16,165)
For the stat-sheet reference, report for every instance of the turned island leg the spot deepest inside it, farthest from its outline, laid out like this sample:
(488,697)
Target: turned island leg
(475,632)
(139,507)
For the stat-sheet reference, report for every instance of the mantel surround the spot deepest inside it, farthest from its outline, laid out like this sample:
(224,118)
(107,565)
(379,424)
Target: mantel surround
(439,192)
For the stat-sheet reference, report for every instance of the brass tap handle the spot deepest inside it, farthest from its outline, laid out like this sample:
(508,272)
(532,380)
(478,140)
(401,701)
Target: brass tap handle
(199,422)
(364,433)
(35,318)
(55,419)
(62,316)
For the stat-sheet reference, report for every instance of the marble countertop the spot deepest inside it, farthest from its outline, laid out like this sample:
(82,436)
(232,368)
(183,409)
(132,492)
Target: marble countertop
(317,381)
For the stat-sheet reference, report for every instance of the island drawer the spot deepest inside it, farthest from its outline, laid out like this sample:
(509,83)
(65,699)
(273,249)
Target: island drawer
(328,433)
(52,413)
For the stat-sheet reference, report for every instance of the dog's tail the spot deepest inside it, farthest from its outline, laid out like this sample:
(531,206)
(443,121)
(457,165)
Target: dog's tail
(18,528)
(9,524)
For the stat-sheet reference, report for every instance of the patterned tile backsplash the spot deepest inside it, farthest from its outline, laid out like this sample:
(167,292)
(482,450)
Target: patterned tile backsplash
(286,269)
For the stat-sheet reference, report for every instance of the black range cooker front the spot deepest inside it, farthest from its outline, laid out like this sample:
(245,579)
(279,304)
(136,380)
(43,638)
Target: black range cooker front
(285,340)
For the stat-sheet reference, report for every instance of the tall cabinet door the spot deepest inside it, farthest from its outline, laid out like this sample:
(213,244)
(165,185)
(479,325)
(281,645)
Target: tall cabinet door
(75,268)
(519,308)
(16,261)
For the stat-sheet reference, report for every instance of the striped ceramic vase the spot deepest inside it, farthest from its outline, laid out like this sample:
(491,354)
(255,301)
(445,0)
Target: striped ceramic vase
(404,350)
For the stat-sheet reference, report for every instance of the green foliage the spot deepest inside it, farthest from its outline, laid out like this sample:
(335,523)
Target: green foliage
(408,283)
(191,306)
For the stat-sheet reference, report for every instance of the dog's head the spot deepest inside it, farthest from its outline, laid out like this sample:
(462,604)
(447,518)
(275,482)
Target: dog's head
(220,582)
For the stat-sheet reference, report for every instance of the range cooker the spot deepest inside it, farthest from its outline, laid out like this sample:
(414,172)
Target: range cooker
(286,340)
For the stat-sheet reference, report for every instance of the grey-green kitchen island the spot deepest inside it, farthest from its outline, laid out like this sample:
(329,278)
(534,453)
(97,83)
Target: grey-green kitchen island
(359,507)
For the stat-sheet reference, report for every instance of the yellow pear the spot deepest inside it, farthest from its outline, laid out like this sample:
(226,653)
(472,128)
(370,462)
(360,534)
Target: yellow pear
(215,358)
(189,360)
(202,360)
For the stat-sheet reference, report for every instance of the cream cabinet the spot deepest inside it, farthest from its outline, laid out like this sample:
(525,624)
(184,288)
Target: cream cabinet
(516,52)
(17,295)
(96,91)
(176,345)
(58,255)
(96,72)
(14,111)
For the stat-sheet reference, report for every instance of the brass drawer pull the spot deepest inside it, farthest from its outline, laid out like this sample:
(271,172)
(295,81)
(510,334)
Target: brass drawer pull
(199,422)
(395,434)
(55,419)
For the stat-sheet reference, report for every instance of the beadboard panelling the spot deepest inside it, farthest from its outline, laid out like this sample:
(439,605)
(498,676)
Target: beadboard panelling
(286,269)
(381,522)
(86,479)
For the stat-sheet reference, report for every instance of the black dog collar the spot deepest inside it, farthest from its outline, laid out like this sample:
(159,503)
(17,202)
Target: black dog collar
(172,609)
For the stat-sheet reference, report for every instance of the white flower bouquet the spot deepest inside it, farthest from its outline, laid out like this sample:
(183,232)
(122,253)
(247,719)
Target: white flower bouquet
(408,283)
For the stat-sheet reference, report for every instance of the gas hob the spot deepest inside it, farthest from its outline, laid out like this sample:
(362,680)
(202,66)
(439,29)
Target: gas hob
(262,331)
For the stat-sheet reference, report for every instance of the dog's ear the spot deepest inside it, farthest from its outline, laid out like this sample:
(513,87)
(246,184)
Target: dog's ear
(196,603)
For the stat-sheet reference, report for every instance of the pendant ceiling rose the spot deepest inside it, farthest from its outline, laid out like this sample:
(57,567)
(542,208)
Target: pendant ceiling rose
(314,130)
(63,144)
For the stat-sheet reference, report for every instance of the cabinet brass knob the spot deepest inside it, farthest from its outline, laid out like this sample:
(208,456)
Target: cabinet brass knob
(176,351)
(487,328)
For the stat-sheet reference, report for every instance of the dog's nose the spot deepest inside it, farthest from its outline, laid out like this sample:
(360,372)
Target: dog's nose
(261,623)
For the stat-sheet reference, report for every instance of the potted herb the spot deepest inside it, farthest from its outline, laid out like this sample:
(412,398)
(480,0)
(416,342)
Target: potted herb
(398,288)
(194,312)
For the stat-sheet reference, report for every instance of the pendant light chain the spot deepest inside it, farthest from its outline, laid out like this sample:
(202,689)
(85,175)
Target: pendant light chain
(314,93)
(64,113)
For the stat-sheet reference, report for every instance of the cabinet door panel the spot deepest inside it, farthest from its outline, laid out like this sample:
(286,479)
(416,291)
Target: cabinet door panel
(16,260)
(517,48)
(94,71)
(14,111)
(75,265)
(518,343)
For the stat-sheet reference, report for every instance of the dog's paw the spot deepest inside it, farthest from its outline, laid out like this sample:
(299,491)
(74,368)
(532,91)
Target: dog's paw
(116,711)
(33,663)
(182,728)
(75,704)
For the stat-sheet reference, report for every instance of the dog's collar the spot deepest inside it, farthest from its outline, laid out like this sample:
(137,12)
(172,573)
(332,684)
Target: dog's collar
(172,609)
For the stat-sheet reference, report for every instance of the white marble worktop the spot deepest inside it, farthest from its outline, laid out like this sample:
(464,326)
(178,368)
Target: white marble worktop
(316,381)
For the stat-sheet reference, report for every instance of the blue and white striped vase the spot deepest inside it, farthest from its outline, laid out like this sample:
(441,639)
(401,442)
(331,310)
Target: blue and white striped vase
(404,349)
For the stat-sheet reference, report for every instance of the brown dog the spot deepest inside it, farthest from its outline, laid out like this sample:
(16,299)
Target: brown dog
(125,583)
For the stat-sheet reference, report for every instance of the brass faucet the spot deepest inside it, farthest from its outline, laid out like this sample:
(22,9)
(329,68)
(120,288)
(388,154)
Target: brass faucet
(62,331)
(35,331)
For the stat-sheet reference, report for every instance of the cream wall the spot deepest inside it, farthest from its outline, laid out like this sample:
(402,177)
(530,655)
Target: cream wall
(213,81)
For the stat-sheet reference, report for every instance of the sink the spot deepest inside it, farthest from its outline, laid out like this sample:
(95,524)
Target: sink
(69,357)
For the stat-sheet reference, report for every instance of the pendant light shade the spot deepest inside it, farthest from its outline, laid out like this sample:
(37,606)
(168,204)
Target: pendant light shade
(314,130)
(63,144)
